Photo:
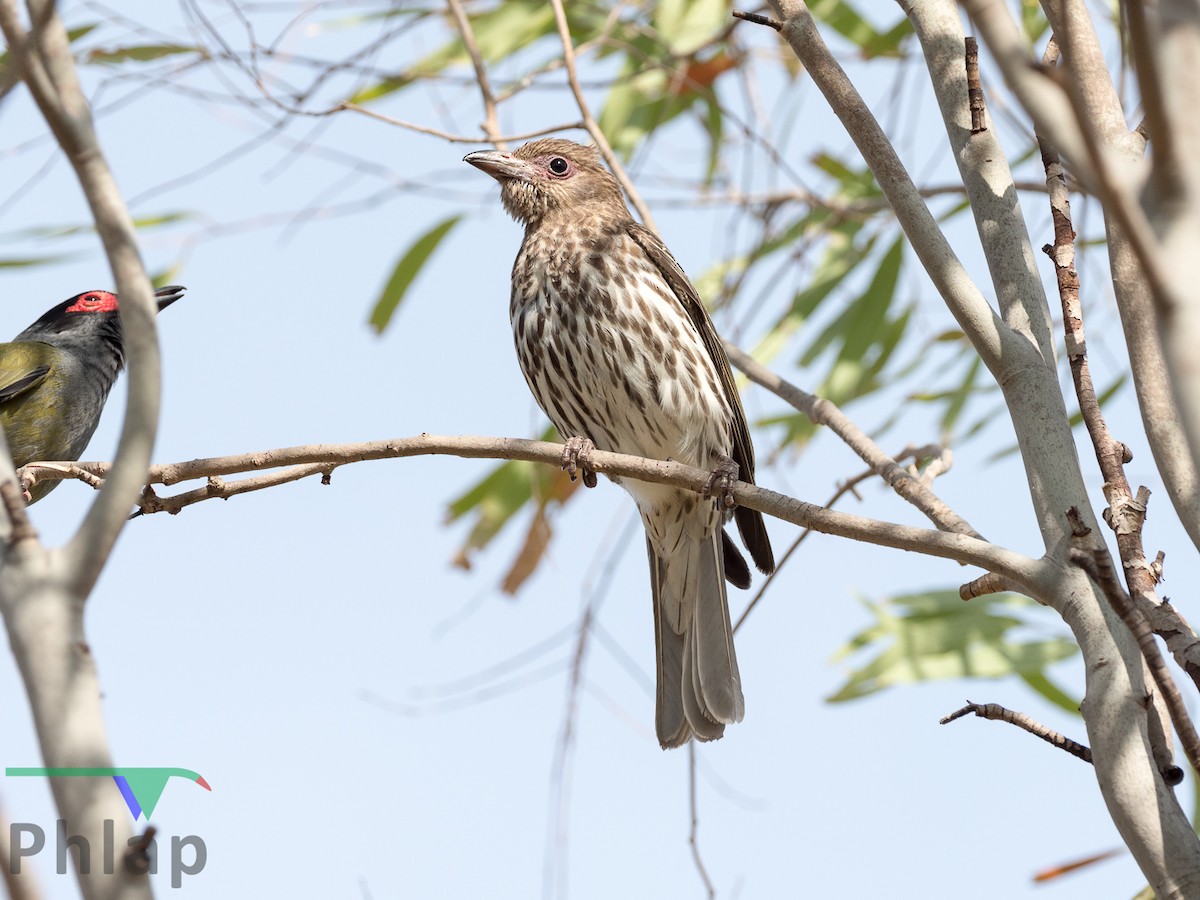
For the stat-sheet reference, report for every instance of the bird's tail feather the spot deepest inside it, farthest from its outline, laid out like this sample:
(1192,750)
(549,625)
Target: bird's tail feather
(699,688)
(737,572)
(753,530)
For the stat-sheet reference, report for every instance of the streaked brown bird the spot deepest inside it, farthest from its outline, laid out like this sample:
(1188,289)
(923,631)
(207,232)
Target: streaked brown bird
(620,353)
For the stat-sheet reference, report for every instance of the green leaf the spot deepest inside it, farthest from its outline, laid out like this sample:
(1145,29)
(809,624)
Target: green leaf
(163,219)
(842,17)
(1051,691)
(72,36)
(687,25)
(499,32)
(28,261)
(139,53)
(497,499)
(841,257)
(406,270)
(937,636)
(1033,21)
(641,101)
(958,397)
(859,324)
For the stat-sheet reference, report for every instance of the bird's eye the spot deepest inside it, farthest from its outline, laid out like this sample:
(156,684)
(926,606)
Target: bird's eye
(559,166)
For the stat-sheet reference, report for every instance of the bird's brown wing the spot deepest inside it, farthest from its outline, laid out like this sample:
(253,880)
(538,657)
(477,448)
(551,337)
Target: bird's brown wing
(749,521)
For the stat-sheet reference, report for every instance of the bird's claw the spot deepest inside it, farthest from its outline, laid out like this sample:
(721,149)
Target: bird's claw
(720,483)
(575,460)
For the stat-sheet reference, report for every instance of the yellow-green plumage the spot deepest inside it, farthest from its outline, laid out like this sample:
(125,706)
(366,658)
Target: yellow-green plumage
(55,378)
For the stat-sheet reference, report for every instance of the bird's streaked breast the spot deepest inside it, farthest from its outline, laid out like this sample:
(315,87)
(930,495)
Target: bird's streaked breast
(609,352)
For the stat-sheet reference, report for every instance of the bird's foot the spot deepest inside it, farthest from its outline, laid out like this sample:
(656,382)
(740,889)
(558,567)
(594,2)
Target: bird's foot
(575,460)
(720,483)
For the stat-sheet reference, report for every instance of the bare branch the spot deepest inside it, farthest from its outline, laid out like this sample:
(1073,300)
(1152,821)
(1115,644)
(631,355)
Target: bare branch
(327,457)
(998,713)
(983,165)
(975,88)
(756,19)
(491,124)
(14,506)
(989,583)
(1043,97)
(694,827)
(498,139)
(1167,622)
(217,488)
(1126,514)
(846,487)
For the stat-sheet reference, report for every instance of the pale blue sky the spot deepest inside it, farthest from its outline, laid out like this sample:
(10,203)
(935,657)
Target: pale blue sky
(246,639)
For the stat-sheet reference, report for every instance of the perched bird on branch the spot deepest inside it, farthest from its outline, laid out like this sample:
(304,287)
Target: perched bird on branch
(55,377)
(620,353)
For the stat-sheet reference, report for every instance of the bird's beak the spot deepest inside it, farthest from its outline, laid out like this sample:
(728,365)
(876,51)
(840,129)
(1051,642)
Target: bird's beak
(168,295)
(499,165)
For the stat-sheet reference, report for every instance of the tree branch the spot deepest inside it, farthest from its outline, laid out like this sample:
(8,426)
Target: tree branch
(1126,514)
(42,593)
(1136,794)
(328,457)
(987,333)
(823,412)
(985,172)
(998,713)
(1096,563)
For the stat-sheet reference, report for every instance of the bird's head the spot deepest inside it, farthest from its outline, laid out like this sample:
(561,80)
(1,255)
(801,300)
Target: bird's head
(92,314)
(552,177)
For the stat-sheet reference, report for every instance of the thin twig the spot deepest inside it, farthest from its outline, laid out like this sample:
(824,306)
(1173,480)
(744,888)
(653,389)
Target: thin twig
(998,713)
(756,19)
(824,412)
(491,123)
(566,742)
(850,486)
(593,128)
(694,827)
(137,855)
(556,850)
(498,139)
(217,488)
(975,88)
(988,583)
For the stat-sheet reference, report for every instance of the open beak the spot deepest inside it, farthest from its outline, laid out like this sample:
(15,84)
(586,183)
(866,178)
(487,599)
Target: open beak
(168,295)
(499,165)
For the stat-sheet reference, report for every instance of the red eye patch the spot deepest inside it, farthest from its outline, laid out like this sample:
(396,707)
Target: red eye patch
(94,301)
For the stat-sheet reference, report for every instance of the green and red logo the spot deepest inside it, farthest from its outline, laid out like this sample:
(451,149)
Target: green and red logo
(142,787)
